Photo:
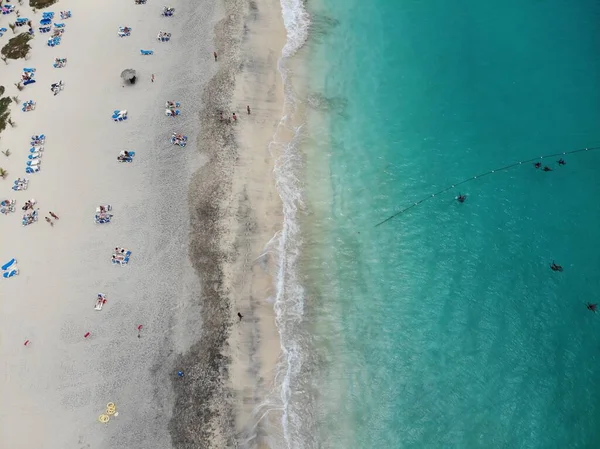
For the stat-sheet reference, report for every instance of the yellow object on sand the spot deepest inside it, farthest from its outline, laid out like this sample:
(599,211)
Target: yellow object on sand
(111,411)
(104,418)
(111,405)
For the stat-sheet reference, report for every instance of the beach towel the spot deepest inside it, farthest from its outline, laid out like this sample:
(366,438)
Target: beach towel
(100,301)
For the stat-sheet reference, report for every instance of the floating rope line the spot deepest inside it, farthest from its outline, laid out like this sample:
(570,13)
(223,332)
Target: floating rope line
(433,195)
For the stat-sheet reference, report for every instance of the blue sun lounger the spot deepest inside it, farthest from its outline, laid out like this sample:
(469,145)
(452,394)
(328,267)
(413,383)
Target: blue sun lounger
(45,22)
(147,52)
(125,260)
(48,15)
(59,25)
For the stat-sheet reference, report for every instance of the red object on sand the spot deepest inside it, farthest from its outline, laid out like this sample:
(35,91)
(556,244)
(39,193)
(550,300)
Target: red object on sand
(26,343)
(139,327)
(87,334)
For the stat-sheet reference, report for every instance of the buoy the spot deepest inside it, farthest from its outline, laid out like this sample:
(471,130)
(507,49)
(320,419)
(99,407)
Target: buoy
(26,343)
(111,405)
(87,334)
(104,418)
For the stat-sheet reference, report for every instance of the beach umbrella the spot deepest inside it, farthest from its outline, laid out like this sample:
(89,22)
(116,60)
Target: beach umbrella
(129,75)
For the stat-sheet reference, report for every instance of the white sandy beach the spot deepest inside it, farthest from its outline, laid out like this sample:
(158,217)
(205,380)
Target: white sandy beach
(55,388)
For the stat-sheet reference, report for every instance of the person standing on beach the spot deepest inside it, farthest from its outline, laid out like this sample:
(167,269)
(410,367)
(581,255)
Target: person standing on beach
(152,78)
(53,215)
(215,55)
(234,117)
(240,316)
(248,109)
(49,221)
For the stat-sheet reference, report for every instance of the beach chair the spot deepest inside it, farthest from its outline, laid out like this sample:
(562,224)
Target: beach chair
(119,116)
(65,15)
(10,269)
(45,22)
(168,11)
(31,170)
(21,21)
(7,206)
(59,63)
(178,140)
(20,184)
(59,25)
(48,15)
(54,41)
(8,9)
(172,112)
(38,137)
(28,82)
(140,2)
(147,52)
(44,29)
(28,106)
(122,158)
(107,208)
(121,257)
(102,218)
(30,217)
(2,31)
(33,162)
(164,36)
(36,155)
(29,69)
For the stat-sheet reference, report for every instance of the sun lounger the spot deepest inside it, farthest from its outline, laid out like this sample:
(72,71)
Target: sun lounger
(21,21)
(103,218)
(119,116)
(48,15)
(20,184)
(44,29)
(147,52)
(100,301)
(31,170)
(45,22)
(122,158)
(168,11)
(65,15)
(7,9)
(59,63)
(10,269)
(30,217)
(36,155)
(59,25)
(7,206)
(121,257)
(140,2)
(28,106)
(37,149)
(54,41)
(36,140)
(163,36)
(2,31)
(33,163)
(27,82)
(178,139)
(29,69)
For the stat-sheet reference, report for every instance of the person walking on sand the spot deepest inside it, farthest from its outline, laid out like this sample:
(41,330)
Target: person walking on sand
(53,215)
(234,117)
(240,316)
(49,221)
(215,55)
(152,78)
(248,109)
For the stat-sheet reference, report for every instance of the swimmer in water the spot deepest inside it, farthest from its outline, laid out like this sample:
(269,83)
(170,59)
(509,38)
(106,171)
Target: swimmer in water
(561,162)
(546,168)
(461,198)
(555,267)
(537,164)
(591,307)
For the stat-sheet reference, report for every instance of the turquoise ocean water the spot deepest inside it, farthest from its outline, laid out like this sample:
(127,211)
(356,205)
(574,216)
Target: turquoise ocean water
(445,327)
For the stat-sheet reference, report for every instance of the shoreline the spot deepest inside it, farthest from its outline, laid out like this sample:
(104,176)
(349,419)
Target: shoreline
(236,211)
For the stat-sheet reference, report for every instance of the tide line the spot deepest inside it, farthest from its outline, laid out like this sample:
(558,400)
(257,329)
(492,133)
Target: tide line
(472,178)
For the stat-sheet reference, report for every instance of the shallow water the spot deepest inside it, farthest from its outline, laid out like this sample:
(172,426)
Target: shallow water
(445,327)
